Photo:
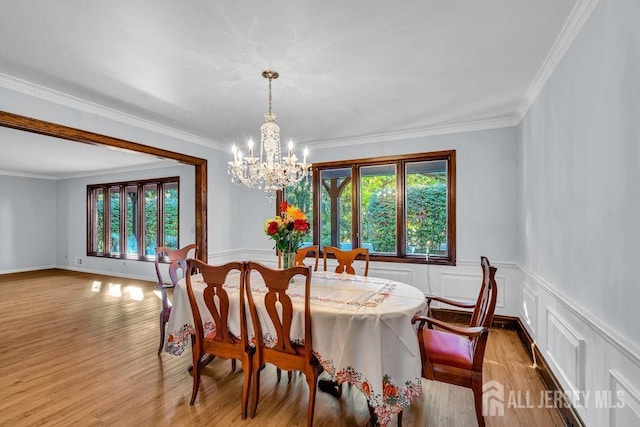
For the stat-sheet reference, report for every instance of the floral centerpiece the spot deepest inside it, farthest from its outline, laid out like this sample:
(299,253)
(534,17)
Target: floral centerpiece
(288,230)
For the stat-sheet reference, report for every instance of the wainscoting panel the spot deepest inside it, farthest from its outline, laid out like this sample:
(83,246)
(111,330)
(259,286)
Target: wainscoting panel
(400,275)
(624,403)
(566,349)
(590,360)
(529,309)
(465,287)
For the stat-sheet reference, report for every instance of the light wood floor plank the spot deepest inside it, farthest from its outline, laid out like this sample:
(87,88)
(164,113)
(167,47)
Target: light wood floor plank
(73,353)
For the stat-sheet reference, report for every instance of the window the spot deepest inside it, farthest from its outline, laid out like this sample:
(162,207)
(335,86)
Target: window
(401,208)
(130,219)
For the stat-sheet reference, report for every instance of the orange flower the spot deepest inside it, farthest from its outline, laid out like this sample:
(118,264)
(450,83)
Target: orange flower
(284,206)
(365,388)
(295,213)
(389,390)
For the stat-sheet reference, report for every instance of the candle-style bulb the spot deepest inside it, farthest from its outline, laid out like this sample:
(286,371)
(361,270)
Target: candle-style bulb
(250,143)
(290,144)
(306,153)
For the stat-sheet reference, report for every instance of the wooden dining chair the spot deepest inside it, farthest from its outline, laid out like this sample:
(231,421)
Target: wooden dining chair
(299,259)
(346,258)
(176,270)
(220,342)
(455,354)
(300,256)
(285,353)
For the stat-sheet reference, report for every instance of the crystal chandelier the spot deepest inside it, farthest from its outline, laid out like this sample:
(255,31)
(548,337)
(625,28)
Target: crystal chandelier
(271,171)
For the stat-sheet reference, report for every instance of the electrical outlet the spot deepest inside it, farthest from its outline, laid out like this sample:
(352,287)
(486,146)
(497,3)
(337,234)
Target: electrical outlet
(78,261)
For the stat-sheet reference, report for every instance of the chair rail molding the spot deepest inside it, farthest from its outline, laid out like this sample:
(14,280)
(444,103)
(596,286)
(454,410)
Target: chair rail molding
(630,350)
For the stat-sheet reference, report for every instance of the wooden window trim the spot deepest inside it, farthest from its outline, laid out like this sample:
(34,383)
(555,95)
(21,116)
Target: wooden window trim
(400,161)
(140,237)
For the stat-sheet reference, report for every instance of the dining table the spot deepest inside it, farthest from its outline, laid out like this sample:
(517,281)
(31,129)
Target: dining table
(361,329)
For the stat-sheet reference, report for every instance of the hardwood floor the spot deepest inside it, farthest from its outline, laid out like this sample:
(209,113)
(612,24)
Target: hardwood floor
(80,349)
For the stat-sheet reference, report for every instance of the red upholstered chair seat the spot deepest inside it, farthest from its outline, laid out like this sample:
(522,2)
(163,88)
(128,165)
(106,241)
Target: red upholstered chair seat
(447,349)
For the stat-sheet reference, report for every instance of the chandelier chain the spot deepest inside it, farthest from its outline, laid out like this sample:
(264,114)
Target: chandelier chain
(270,95)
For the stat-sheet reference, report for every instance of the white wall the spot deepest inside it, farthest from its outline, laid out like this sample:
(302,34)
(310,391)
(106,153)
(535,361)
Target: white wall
(27,224)
(580,212)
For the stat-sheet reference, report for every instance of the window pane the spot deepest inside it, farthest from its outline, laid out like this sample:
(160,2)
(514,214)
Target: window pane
(132,226)
(301,196)
(426,213)
(114,195)
(150,219)
(98,214)
(171,215)
(378,208)
(335,208)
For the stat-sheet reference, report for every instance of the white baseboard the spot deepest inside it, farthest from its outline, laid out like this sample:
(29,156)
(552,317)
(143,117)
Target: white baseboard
(108,273)
(26,269)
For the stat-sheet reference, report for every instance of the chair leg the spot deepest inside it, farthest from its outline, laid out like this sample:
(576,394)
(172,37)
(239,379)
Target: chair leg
(311,382)
(289,375)
(256,390)
(197,367)
(278,374)
(476,386)
(163,322)
(246,385)
(233,365)
(400,419)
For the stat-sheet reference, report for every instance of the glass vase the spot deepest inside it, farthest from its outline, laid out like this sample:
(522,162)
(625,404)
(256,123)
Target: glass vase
(288,259)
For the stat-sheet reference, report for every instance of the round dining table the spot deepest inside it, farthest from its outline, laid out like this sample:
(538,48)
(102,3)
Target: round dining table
(361,329)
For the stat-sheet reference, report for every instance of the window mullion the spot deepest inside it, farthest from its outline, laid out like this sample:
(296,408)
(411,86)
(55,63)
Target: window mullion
(161,216)
(315,191)
(401,197)
(123,220)
(141,225)
(355,206)
(107,219)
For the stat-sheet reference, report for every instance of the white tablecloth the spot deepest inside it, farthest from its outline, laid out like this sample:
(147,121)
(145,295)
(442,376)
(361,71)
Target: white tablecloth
(361,328)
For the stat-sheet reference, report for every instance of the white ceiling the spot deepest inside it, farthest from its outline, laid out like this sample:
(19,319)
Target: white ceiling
(348,70)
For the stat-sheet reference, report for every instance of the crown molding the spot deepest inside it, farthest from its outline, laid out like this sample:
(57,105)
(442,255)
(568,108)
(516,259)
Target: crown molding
(146,166)
(50,95)
(572,27)
(27,175)
(419,133)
